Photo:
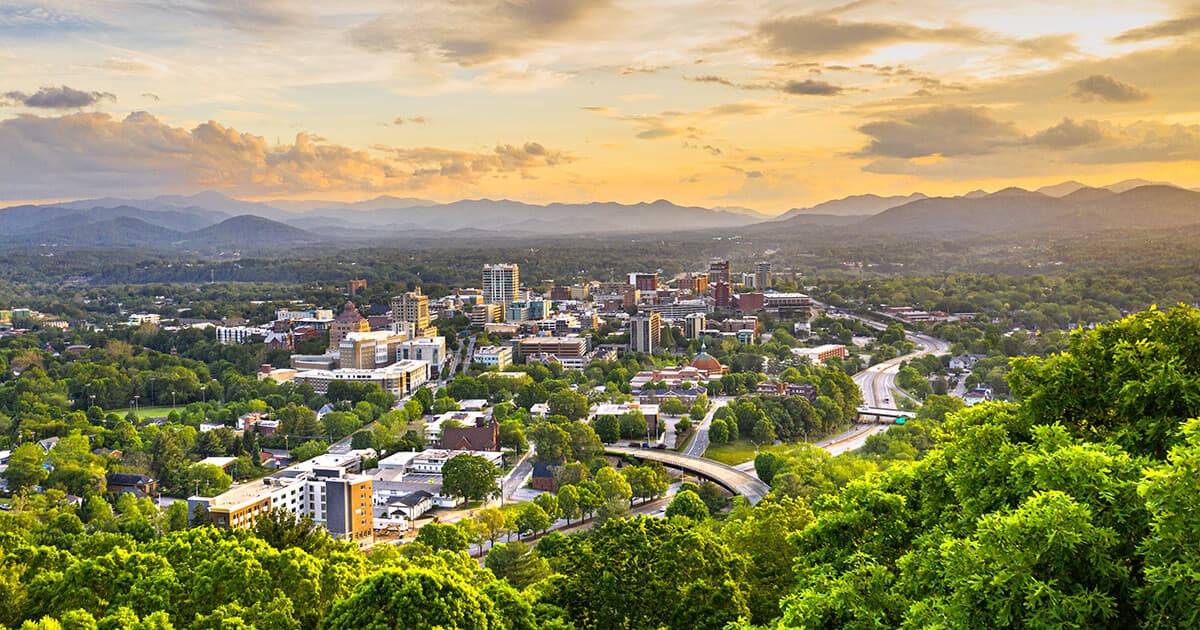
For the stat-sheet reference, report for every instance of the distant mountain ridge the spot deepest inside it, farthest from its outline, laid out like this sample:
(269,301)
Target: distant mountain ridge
(213,220)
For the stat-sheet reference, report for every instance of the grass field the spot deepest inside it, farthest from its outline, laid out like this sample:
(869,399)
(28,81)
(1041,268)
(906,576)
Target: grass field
(153,412)
(742,451)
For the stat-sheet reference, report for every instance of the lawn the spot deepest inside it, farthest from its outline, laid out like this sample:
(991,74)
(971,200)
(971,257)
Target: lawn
(742,451)
(152,412)
(732,453)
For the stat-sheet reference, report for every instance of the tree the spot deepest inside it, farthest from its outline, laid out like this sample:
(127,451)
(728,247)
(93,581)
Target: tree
(207,480)
(646,482)
(607,427)
(673,407)
(424,397)
(648,573)
(682,426)
(470,476)
(25,468)
(309,450)
(937,407)
(688,503)
(515,563)
(549,503)
(512,436)
(283,529)
(442,536)
(493,522)
(766,464)
(718,431)
(565,402)
(532,518)
(633,425)
(613,486)
(764,432)
(568,503)
(413,598)
(339,424)
(362,440)
(444,404)
(553,443)
(585,444)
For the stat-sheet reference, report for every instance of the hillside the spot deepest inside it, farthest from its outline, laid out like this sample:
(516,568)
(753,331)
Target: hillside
(116,232)
(854,205)
(250,230)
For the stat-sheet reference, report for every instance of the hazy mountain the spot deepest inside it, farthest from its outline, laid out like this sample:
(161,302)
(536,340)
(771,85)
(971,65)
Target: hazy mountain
(976,194)
(22,219)
(250,230)
(748,212)
(504,215)
(854,205)
(1130,184)
(1061,189)
(116,232)
(1016,210)
(210,203)
(378,203)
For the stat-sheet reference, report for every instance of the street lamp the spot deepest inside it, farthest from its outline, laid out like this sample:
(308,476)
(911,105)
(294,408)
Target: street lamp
(172,401)
(136,406)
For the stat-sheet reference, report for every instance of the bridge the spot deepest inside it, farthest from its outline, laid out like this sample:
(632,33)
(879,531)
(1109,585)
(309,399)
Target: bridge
(882,415)
(728,477)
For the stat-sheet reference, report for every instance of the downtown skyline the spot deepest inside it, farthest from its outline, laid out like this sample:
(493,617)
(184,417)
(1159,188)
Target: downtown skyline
(768,105)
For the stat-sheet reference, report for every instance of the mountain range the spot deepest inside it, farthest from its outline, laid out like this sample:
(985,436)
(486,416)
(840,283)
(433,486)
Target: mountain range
(211,220)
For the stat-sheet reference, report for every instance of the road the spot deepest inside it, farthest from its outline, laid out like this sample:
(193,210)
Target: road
(877,384)
(699,443)
(732,479)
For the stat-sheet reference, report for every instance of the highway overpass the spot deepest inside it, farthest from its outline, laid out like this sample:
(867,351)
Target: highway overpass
(728,477)
(882,415)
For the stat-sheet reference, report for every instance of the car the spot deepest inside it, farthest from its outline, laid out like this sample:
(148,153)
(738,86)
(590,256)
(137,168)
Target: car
(864,407)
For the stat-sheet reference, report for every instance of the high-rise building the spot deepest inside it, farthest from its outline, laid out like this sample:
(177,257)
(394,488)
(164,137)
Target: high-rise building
(696,283)
(644,281)
(762,275)
(411,308)
(693,325)
(719,271)
(500,283)
(645,332)
(720,294)
(348,321)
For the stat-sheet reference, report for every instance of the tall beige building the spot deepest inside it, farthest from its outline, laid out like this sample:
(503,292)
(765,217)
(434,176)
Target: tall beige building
(645,332)
(500,283)
(411,308)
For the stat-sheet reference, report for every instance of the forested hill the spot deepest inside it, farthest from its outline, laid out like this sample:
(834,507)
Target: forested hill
(1075,507)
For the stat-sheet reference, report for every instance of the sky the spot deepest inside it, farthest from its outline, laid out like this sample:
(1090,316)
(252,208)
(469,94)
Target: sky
(762,104)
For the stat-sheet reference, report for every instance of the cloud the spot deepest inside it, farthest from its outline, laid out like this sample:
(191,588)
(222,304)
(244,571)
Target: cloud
(1046,46)
(946,131)
(130,66)
(691,125)
(806,36)
(416,120)
(712,78)
(958,142)
(424,162)
(811,88)
(94,153)
(1174,27)
(259,15)
(1069,134)
(498,28)
(151,97)
(62,97)
(1099,87)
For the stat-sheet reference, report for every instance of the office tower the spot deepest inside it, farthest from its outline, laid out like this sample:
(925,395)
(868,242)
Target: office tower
(719,272)
(500,283)
(762,275)
(411,308)
(645,332)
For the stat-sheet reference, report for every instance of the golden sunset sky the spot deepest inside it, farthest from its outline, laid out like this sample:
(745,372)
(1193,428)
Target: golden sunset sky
(768,105)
